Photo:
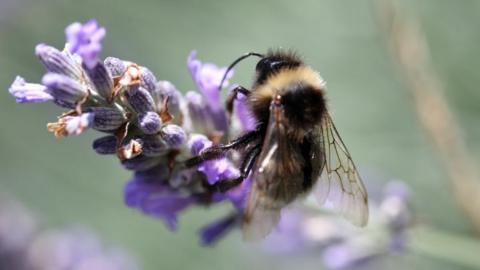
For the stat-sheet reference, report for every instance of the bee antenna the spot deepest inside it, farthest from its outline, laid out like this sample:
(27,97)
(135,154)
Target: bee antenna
(236,62)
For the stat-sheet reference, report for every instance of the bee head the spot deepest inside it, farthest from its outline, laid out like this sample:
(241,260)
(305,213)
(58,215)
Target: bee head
(275,61)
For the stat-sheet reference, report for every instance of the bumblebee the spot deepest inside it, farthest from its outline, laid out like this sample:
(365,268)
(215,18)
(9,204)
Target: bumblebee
(295,148)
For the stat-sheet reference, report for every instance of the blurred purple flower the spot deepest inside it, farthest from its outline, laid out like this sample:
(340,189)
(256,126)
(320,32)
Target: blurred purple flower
(28,92)
(75,248)
(86,40)
(342,245)
(342,256)
(25,246)
(150,192)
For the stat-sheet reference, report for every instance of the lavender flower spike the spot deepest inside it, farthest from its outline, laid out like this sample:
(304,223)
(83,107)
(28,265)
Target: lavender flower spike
(28,92)
(86,41)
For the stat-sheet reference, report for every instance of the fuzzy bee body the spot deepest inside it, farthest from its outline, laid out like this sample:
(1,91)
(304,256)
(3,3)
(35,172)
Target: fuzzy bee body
(295,148)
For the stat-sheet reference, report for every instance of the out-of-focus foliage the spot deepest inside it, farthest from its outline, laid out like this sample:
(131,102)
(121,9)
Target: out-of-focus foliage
(66,182)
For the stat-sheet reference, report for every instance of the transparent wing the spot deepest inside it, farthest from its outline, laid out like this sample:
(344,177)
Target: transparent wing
(273,185)
(339,181)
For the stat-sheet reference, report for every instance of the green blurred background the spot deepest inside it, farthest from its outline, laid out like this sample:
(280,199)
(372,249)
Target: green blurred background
(65,182)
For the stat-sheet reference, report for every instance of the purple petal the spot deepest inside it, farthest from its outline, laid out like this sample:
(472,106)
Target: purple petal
(197,143)
(242,111)
(212,232)
(156,198)
(28,92)
(86,41)
(238,195)
(218,170)
(207,77)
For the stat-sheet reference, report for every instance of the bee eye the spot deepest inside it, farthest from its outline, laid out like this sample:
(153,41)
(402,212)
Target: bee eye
(268,64)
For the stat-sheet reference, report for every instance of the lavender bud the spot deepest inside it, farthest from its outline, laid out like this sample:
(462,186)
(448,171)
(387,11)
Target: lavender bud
(107,119)
(115,66)
(166,89)
(28,92)
(140,99)
(63,88)
(140,163)
(105,145)
(147,79)
(173,135)
(101,79)
(197,143)
(149,122)
(153,145)
(58,62)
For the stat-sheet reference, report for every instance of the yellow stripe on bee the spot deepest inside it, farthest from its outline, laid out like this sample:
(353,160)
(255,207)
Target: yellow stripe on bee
(280,81)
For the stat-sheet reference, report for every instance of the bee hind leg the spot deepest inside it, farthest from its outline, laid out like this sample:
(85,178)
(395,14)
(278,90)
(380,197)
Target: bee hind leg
(217,151)
(245,169)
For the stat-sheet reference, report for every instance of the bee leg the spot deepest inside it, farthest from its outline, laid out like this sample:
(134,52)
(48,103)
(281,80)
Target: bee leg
(232,97)
(245,169)
(217,151)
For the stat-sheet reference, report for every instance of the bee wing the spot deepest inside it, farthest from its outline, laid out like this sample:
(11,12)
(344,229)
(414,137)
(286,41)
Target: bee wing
(267,195)
(339,181)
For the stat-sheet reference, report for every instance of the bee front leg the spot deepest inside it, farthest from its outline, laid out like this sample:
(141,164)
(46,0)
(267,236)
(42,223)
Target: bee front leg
(247,165)
(232,97)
